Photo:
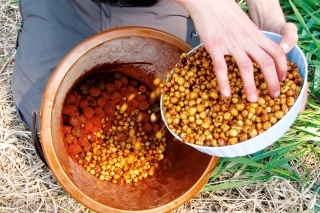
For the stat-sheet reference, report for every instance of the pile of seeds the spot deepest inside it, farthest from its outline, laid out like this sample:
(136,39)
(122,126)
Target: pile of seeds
(195,109)
(110,129)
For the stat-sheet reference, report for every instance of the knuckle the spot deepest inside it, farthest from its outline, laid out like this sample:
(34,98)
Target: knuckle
(278,51)
(292,27)
(245,64)
(220,66)
(267,62)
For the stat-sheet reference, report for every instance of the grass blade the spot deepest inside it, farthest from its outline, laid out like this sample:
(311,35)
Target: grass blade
(273,152)
(316,42)
(226,185)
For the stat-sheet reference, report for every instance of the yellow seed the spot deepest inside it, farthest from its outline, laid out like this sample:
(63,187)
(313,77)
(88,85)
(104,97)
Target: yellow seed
(266,125)
(98,134)
(151,171)
(137,146)
(253,133)
(201,108)
(233,140)
(131,96)
(161,156)
(214,94)
(153,95)
(233,133)
(159,135)
(203,115)
(174,100)
(157,81)
(279,114)
(124,107)
(131,158)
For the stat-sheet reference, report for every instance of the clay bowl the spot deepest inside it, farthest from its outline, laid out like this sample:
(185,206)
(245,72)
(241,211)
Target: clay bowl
(184,170)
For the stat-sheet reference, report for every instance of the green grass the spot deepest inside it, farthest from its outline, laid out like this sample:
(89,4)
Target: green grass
(303,136)
(306,14)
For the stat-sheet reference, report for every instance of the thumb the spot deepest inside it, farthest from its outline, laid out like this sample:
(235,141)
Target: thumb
(289,38)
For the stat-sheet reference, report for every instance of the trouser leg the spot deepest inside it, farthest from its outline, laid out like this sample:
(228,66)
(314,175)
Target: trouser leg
(165,15)
(52,28)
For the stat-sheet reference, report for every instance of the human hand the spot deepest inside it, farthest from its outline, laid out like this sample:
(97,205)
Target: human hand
(289,34)
(226,30)
(288,40)
(288,31)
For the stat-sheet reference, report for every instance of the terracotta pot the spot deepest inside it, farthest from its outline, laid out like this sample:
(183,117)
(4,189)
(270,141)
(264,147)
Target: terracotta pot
(184,170)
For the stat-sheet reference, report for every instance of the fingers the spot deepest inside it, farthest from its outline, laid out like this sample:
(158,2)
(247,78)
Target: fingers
(267,66)
(289,36)
(271,59)
(269,56)
(272,62)
(221,72)
(276,54)
(245,66)
(246,43)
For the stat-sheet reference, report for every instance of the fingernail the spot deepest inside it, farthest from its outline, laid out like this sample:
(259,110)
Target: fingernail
(285,47)
(253,98)
(283,78)
(276,94)
(225,93)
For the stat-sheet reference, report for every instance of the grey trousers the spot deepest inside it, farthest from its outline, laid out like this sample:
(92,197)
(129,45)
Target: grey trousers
(51,28)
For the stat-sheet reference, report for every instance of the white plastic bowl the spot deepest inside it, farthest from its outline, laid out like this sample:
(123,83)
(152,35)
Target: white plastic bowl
(276,131)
